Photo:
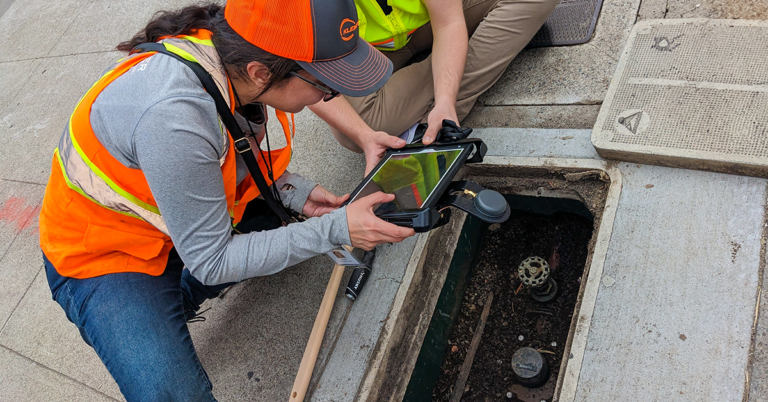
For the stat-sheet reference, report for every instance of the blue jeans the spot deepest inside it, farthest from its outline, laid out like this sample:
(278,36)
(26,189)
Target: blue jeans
(137,323)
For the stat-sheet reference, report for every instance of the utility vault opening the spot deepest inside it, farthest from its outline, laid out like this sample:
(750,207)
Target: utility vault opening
(542,247)
(558,211)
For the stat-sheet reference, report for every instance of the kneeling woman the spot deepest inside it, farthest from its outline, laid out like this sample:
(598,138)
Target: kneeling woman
(150,209)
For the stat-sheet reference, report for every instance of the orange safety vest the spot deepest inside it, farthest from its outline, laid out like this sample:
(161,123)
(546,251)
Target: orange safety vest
(99,216)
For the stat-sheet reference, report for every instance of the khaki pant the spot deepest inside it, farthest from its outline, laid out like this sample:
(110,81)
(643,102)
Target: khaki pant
(498,29)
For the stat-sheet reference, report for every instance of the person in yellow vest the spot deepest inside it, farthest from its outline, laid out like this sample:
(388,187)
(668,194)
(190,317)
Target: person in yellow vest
(150,208)
(470,43)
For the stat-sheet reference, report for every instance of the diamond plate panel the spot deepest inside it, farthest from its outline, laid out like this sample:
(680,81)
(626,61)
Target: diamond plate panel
(572,22)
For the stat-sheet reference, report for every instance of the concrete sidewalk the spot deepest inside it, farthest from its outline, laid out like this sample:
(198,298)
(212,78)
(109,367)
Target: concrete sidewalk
(253,340)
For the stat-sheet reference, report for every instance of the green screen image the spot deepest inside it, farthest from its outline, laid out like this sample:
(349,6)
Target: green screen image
(411,177)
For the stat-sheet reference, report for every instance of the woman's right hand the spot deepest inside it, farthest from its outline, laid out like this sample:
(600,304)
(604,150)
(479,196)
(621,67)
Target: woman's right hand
(366,230)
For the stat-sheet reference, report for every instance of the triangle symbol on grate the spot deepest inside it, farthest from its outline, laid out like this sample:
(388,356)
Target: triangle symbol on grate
(632,122)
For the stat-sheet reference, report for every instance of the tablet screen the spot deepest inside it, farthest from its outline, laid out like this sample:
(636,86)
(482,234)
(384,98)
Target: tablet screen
(411,177)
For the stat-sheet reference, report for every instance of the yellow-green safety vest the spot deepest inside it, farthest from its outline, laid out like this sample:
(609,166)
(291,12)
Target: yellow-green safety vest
(390,32)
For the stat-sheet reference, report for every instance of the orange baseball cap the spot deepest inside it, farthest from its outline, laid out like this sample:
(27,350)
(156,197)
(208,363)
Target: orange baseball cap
(321,35)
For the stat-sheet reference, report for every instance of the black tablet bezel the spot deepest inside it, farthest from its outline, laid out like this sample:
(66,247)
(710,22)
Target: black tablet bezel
(466,148)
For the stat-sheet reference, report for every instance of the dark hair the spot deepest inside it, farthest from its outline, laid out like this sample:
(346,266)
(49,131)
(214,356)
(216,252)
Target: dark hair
(234,50)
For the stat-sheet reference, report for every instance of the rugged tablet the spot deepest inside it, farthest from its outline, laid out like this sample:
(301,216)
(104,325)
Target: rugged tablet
(418,176)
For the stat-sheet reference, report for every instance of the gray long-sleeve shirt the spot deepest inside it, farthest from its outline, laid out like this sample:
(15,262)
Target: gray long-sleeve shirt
(158,118)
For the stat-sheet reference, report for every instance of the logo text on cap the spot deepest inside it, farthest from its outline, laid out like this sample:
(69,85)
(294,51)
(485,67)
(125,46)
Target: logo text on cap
(347,29)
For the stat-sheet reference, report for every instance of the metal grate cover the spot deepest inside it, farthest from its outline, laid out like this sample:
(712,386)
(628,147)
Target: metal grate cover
(572,22)
(690,93)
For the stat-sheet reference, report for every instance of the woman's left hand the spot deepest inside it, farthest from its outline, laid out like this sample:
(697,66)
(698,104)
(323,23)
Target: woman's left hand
(376,145)
(322,201)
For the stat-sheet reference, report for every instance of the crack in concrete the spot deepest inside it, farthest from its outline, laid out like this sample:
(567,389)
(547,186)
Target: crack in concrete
(24,182)
(58,56)
(63,34)
(25,290)
(603,52)
(8,250)
(36,363)
(395,280)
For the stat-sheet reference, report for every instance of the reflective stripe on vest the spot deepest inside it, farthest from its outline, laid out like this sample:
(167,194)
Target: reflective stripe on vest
(390,32)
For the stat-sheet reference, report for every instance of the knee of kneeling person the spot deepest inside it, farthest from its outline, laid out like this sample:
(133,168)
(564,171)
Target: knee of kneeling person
(345,141)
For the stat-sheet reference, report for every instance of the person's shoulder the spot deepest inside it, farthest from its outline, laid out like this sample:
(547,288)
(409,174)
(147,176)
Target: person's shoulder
(159,77)
(170,97)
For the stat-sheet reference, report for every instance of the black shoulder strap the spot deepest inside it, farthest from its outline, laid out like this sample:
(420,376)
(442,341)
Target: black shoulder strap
(241,143)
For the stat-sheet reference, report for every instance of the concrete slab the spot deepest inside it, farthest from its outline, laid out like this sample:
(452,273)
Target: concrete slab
(13,76)
(114,20)
(18,210)
(20,256)
(532,143)
(758,375)
(568,75)
(674,313)
(690,93)
(40,331)
(559,116)
(4,6)
(652,9)
(727,9)
(32,126)
(24,380)
(35,26)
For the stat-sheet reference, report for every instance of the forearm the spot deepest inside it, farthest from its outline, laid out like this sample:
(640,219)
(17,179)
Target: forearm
(339,114)
(449,50)
(268,252)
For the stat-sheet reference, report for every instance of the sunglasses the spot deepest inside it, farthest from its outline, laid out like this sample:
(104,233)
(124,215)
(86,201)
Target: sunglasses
(329,93)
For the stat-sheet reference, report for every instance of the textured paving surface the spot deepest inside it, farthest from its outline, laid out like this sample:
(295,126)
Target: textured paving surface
(572,22)
(675,310)
(690,93)
(730,9)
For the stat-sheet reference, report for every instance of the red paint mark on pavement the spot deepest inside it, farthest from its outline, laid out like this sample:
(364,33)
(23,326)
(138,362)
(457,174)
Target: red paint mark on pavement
(33,220)
(15,211)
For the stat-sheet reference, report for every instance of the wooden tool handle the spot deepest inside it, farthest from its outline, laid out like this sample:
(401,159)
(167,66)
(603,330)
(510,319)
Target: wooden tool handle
(316,337)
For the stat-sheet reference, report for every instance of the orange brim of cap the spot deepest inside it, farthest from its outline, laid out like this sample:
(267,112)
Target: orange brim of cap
(359,73)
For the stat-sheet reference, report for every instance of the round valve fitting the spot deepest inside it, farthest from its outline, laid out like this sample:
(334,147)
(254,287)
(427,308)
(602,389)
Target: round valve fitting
(533,272)
(530,368)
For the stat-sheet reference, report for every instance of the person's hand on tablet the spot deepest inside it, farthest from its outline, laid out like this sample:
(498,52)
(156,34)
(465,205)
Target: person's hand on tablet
(376,146)
(366,230)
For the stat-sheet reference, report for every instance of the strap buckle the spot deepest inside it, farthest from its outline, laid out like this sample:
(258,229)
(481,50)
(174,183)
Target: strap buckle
(242,145)
(295,217)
